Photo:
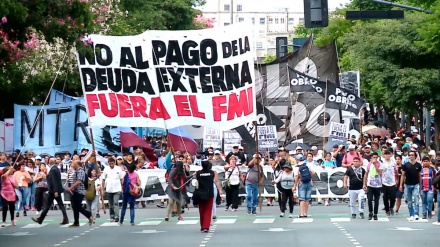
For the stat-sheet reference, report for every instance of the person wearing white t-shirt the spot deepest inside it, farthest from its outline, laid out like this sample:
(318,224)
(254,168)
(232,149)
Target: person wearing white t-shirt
(373,185)
(389,176)
(112,179)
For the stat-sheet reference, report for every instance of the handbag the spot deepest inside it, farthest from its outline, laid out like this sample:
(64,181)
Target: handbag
(200,195)
(225,183)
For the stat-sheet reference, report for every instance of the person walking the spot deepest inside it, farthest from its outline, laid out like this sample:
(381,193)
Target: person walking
(411,177)
(176,190)
(131,187)
(23,179)
(41,180)
(204,194)
(373,185)
(286,179)
(8,196)
(232,183)
(389,177)
(254,177)
(93,192)
(77,191)
(112,179)
(55,188)
(399,194)
(427,188)
(303,181)
(355,174)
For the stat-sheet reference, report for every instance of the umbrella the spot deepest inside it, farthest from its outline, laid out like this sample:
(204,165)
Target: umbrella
(294,145)
(378,131)
(328,147)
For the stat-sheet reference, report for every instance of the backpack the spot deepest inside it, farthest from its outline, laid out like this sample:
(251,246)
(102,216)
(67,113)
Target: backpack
(304,171)
(91,190)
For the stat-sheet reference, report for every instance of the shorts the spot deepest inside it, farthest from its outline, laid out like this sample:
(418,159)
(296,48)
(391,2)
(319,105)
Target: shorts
(399,194)
(305,192)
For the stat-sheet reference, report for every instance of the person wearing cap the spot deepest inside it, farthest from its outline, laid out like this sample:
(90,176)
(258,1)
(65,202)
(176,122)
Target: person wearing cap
(254,178)
(367,152)
(348,157)
(303,181)
(355,173)
(286,179)
(217,160)
(315,153)
(236,152)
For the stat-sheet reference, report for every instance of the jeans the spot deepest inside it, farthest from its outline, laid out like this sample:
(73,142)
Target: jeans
(113,202)
(438,207)
(128,199)
(252,197)
(305,192)
(357,195)
(23,198)
(427,200)
(214,203)
(373,194)
(92,205)
(32,192)
(389,197)
(412,196)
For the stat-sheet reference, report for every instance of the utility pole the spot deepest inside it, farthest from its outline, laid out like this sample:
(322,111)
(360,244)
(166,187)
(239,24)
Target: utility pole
(232,12)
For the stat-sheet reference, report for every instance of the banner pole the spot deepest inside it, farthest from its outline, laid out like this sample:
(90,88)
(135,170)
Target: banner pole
(325,102)
(260,200)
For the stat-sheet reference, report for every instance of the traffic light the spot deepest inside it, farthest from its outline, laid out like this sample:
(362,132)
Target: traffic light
(315,13)
(281,46)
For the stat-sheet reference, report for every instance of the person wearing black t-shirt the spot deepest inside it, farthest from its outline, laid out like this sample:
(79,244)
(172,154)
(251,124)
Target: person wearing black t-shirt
(399,194)
(411,177)
(355,190)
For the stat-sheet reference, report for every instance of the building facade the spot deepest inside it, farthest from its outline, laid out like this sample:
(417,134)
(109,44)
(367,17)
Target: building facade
(269,21)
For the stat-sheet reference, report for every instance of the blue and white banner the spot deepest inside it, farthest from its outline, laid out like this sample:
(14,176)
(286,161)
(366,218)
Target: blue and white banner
(57,97)
(61,127)
(154,132)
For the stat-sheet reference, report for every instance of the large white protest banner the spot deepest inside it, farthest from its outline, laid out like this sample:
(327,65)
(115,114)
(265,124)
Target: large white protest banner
(171,78)
(326,184)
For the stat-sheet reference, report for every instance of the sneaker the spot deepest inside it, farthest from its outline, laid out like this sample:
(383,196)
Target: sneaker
(254,212)
(17,214)
(37,213)
(353,216)
(327,203)
(24,213)
(116,219)
(226,208)
(392,212)
(249,212)
(98,216)
(429,215)
(26,208)
(436,223)
(14,223)
(282,215)
(4,224)
(234,209)
(411,218)
(416,217)
(362,215)
(370,216)
(290,215)
(397,211)
(388,214)
(33,208)
(424,217)
(214,217)
(375,217)
(161,205)
(180,218)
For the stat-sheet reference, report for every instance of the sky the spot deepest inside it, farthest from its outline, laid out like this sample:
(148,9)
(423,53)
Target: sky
(270,4)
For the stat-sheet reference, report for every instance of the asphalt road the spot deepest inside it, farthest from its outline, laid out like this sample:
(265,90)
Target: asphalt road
(326,226)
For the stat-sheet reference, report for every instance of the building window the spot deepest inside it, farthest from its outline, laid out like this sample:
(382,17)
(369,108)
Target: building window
(291,20)
(240,19)
(301,20)
(227,7)
(262,21)
(253,20)
(270,20)
(239,7)
(276,20)
(282,20)
(259,45)
(226,23)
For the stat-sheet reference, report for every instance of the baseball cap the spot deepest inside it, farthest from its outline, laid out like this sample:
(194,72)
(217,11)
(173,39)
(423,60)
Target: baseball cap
(217,152)
(119,158)
(291,152)
(281,149)
(38,157)
(314,148)
(299,148)
(351,146)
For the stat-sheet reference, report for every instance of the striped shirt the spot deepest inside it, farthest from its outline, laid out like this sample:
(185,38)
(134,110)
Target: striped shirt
(76,175)
(427,176)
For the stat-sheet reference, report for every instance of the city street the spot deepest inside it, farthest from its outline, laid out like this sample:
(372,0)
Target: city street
(326,226)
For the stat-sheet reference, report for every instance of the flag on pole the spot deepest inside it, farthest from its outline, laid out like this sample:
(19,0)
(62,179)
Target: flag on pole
(182,141)
(129,138)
